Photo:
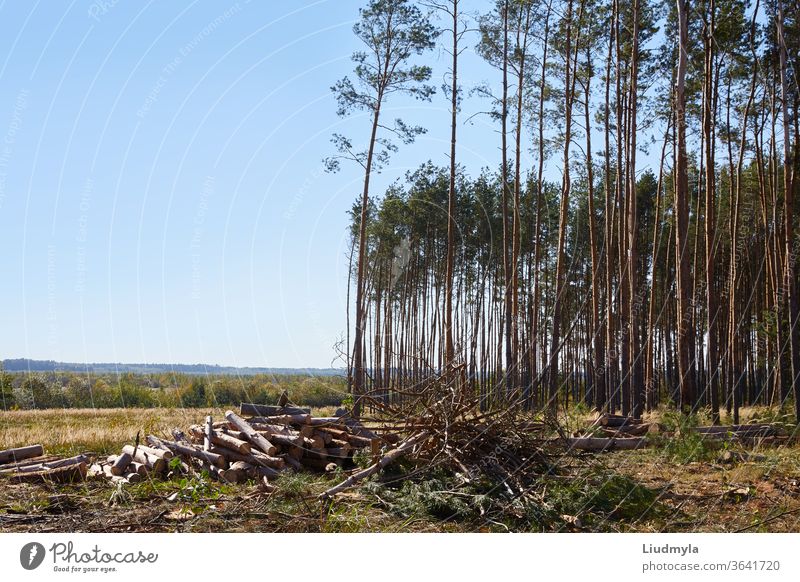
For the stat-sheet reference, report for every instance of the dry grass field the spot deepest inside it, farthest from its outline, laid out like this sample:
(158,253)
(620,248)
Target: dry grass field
(102,431)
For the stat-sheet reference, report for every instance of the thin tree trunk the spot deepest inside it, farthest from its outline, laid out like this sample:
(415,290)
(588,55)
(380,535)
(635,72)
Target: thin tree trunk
(685,337)
(563,214)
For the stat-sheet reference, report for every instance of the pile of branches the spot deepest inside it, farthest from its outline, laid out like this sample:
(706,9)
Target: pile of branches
(445,428)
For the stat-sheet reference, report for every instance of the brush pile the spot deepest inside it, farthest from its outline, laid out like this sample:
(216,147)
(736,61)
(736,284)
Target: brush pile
(446,429)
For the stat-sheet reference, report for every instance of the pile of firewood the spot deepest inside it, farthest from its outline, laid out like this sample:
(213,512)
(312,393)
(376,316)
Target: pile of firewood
(29,464)
(271,440)
(614,432)
(610,432)
(746,434)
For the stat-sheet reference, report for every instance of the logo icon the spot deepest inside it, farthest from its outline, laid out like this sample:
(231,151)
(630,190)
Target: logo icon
(31,555)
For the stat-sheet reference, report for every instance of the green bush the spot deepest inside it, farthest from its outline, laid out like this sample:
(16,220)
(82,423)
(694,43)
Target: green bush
(682,444)
(37,391)
(7,401)
(193,395)
(88,390)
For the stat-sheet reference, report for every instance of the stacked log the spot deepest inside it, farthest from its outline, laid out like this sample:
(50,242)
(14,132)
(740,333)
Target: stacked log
(606,444)
(610,432)
(29,464)
(278,438)
(259,443)
(746,434)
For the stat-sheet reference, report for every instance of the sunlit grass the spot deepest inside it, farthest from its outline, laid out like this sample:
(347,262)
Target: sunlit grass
(100,430)
(97,430)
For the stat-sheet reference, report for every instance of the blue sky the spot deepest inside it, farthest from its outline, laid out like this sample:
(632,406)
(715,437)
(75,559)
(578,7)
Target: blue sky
(162,196)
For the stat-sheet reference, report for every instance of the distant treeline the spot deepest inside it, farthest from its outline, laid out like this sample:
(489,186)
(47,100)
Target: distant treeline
(40,390)
(27,365)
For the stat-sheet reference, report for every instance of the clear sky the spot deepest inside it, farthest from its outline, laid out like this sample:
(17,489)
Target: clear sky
(162,196)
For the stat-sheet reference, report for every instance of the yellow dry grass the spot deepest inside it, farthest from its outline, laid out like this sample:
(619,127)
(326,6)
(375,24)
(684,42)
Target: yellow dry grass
(99,430)
(96,430)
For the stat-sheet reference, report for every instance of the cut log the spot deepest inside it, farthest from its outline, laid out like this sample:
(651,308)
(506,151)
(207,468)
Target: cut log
(230,442)
(248,409)
(209,433)
(221,438)
(197,434)
(267,472)
(120,464)
(253,472)
(155,464)
(315,442)
(160,446)
(285,440)
(401,449)
(190,451)
(626,431)
(133,477)
(232,475)
(68,474)
(332,421)
(330,432)
(255,458)
(340,444)
(159,452)
(259,441)
(633,429)
(358,441)
(606,444)
(375,450)
(324,434)
(57,464)
(139,468)
(292,462)
(20,453)
(298,419)
(11,467)
(742,429)
(283,429)
(614,420)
